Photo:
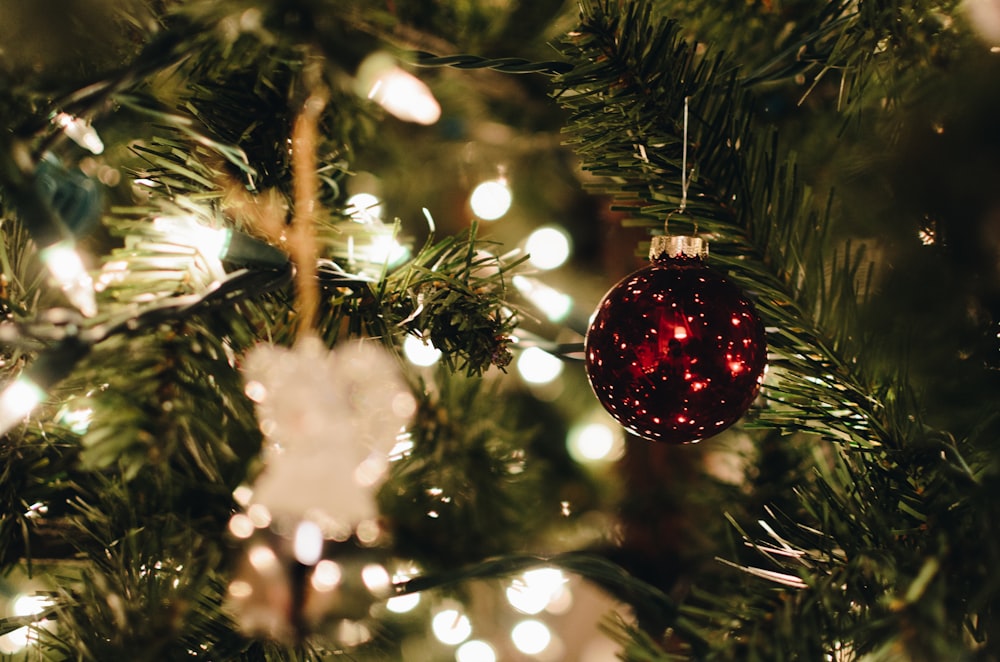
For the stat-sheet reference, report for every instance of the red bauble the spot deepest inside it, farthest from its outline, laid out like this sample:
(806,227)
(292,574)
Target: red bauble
(676,353)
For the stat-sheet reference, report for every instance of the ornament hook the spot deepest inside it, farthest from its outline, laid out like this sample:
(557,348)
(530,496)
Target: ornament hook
(685,176)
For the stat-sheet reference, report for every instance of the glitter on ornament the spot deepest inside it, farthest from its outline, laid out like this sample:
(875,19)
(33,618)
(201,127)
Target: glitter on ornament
(676,353)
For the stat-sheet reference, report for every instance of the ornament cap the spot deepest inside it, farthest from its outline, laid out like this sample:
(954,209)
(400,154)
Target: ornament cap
(668,246)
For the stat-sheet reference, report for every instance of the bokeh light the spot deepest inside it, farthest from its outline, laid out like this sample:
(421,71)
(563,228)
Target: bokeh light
(402,604)
(364,207)
(531,637)
(554,304)
(536,366)
(451,626)
(491,199)
(548,247)
(535,589)
(595,441)
(420,353)
(475,651)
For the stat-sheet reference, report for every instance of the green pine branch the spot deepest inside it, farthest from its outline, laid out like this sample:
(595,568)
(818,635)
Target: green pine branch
(864,569)
(626,101)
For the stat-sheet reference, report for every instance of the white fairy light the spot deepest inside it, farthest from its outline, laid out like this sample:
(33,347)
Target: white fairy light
(399,92)
(595,441)
(16,640)
(402,604)
(242,495)
(535,589)
(211,243)
(376,578)
(67,269)
(420,352)
(262,558)
(475,650)
(384,249)
(19,638)
(554,304)
(451,626)
(241,526)
(79,131)
(491,199)
(536,366)
(548,247)
(531,637)
(259,515)
(352,633)
(326,576)
(17,401)
(308,543)
(364,207)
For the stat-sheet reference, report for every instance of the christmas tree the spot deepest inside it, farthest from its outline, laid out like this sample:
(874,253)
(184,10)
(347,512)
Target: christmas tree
(298,358)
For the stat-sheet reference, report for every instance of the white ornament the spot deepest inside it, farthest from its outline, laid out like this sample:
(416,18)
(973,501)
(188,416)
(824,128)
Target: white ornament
(330,416)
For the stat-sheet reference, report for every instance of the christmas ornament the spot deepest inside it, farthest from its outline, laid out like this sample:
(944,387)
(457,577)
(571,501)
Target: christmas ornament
(285,587)
(330,418)
(675,352)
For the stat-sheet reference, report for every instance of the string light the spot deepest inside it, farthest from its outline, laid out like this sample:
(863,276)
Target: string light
(402,604)
(404,95)
(475,650)
(66,268)
(21,396)
(17,401)
(535,589)
(451,626)
(555,305)
(531,637)
(364,207)
(536,366)
(595,441)
(548,247)
(308,543)
(491,199)
(19,638)
(79,131)
(420,352)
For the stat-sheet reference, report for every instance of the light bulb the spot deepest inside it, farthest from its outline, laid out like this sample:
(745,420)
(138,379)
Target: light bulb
(451,626)
(536,366)
(554,304)
(399,92)
(475,650)
(419,352)
(595,442)
(531,637)
(535,589)
(212,243)
(401,604)
(79,131)
(547,247)
(30,605)
(491,199)
(364,207)
(67,269)
(327,576)
(17,401)
(308,543)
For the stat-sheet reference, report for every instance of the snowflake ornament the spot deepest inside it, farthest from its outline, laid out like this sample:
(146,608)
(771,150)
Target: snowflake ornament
(330,418)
